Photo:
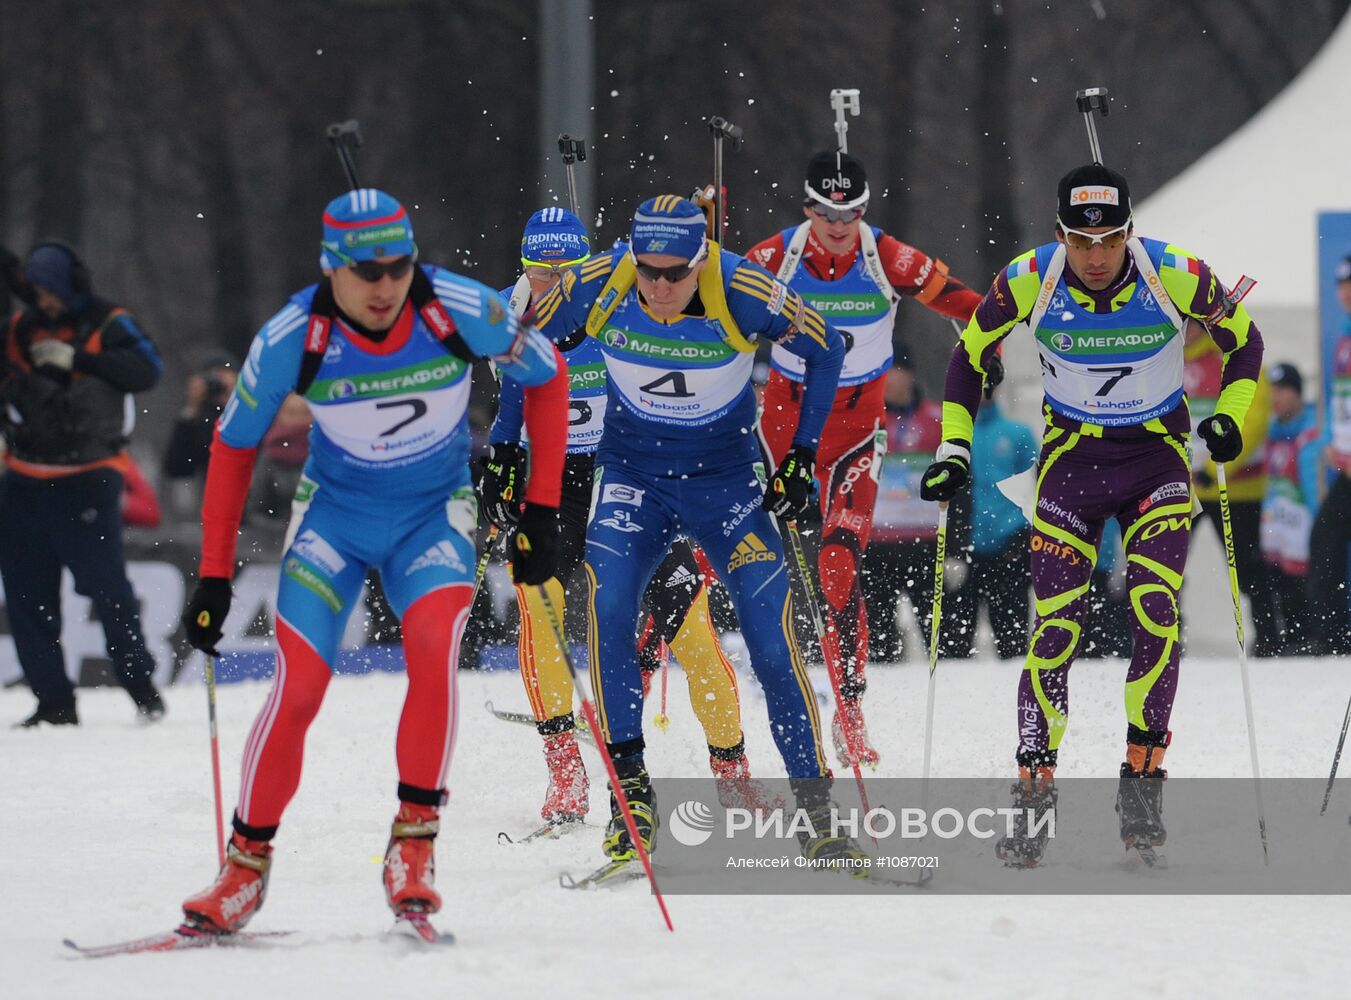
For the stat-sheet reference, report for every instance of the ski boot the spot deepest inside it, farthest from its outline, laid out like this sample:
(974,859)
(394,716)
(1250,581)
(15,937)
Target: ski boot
(52,715)
(637,787)
(149,704)
(1139,797)
(410,861)
(822,846)
(736,788)
(568,799)
(848,728)
(238,892)
(1034,795)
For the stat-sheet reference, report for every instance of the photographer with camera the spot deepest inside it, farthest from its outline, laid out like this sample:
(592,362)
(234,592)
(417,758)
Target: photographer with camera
(205,394)
(68,366)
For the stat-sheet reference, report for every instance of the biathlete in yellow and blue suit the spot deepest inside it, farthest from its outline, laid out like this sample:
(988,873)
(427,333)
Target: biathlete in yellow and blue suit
(677,598)
(1108,311)
(676,318)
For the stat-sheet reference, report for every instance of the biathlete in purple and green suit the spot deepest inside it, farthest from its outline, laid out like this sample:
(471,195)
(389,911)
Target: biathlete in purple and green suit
(1108,310)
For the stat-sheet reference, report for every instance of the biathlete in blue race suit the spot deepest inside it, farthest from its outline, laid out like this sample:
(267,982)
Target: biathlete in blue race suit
(381,349)
(677,317)
(676,617)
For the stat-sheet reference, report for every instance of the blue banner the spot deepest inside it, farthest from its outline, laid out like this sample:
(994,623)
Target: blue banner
(1334,246)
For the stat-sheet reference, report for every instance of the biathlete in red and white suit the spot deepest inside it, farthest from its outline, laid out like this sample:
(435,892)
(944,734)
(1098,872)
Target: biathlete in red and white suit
(855,276)
(382,350)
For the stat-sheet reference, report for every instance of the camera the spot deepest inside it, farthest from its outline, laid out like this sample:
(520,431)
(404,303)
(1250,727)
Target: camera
(216,389)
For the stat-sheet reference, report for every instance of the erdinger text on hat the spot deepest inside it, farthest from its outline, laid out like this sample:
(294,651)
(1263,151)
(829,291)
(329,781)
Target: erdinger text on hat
(555,237)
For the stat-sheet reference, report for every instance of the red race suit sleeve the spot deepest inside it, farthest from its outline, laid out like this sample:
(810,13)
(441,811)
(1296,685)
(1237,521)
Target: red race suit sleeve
(227,488)
(546,423)
(914,273)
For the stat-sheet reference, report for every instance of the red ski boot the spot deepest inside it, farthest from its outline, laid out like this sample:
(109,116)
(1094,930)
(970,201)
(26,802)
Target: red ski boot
(410,862)
(737,789)
(568,799)
(849,729)
(239,890)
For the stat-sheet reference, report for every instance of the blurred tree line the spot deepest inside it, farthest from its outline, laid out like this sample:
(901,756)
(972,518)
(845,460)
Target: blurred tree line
(180,144)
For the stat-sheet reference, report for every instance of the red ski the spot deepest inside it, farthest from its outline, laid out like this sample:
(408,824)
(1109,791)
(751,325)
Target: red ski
(184,936)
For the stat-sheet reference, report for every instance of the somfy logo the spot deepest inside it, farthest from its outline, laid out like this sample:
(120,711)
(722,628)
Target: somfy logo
(691,823)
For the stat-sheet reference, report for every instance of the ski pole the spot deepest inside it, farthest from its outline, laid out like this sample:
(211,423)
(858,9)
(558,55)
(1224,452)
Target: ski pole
(1242,653)
(842,102)
(936,616)
(589,711)
(663,720)
(835,671)
(722,130)
(1336,758)
(481,570)
(346,136)
(573,149)
(210,672)
(1088,101)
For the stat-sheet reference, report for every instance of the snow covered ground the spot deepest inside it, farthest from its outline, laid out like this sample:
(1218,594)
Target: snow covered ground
(106,828)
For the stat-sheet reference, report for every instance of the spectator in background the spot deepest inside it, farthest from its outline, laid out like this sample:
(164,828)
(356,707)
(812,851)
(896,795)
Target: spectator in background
(140,506)
(285,448)
(204,397)
(1328,574)
(1246,475)
(11,273)
(70,362)
(1000,574)
(1294,447)
(900,557)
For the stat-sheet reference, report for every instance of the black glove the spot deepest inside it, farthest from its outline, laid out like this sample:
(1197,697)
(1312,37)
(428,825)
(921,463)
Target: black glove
(206,611)
(994,374)
(1221,436)
(501,484)
(945,478)
(534,547)
(790,491)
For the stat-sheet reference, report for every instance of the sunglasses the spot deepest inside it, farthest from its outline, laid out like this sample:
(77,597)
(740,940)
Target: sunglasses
(373,270)
(838,214)
(539,269)
(672,274)
(1081,240)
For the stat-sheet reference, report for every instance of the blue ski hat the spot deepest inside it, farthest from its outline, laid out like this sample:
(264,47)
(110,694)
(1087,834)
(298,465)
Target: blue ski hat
(669,224)
(554,236)
(57,268)
(362,225)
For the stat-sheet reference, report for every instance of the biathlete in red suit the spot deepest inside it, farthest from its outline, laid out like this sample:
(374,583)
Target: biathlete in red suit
(855,276)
